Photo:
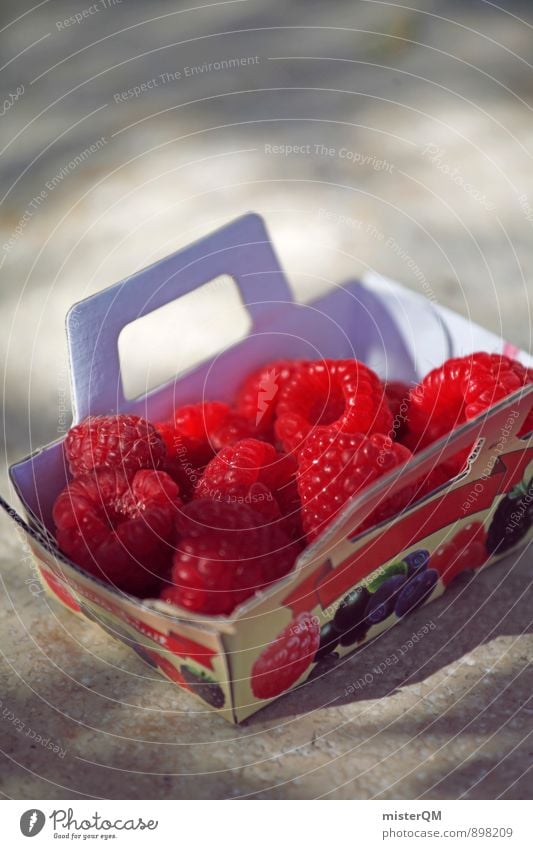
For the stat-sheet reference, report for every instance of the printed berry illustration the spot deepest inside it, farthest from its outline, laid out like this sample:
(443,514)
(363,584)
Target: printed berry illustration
(286,659)
(398,567)
(512,519)
(416,561)
(381,603)
(204,686)
(415,591)
(329,640)
(169,670)
(349,621)
(465,551)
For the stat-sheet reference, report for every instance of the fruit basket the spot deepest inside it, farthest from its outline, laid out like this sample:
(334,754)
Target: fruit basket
(348,585)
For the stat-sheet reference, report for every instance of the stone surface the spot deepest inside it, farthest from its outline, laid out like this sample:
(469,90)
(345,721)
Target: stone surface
(432,109)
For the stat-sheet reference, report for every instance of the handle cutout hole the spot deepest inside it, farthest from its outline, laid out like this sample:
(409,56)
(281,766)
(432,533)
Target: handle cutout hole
(174,338)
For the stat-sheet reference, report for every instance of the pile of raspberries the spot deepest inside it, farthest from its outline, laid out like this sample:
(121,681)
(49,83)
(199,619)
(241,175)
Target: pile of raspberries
(215,504)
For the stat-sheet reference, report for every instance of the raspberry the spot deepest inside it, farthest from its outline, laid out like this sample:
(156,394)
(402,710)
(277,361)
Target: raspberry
(466,550)
(334,466)
(117,442)
(225,554)
(210,577)
(119,528)
(257,496)
(491,378)
(198,431)
(397,395)
(285,660)
(247,462)
(258,396)
(232,429)
(343,394)
(458,391)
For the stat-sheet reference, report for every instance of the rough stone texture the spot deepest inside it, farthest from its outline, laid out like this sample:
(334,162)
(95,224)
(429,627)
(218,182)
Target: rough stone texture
(454,718)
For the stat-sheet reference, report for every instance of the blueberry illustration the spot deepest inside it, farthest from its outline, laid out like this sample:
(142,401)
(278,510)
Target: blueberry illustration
(329,640)
(416,561)
(381,603)
(416,590)
(351,611)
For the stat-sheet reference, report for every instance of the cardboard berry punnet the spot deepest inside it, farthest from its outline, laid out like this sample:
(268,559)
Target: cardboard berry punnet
(235,665)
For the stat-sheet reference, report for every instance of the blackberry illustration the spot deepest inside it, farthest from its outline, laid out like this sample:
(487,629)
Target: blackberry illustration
(417,561)
(349,620)
(204,686)
(354,635)
(381,603)
(329,640)
(415,591)
(512,519)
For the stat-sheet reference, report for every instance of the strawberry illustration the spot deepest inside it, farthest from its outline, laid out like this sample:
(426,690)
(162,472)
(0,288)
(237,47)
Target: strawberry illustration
(466,550)
(280,665)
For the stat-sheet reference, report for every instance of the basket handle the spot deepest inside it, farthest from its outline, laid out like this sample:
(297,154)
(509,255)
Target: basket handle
(242,249)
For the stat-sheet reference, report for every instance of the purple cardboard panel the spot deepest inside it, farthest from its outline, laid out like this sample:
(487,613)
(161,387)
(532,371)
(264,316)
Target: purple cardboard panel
(433,333)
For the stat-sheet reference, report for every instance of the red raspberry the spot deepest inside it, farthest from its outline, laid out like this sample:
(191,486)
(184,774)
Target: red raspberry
(493,377)
(257,496)
(211,578)
(343,394)
(397,395)
(198,431)
(258,396)
(116,442)
(225,554)
(285,660)
(234,428)
(334,466)
(466,550)
(247,462)
(206,517)
(119,528)
(458,391)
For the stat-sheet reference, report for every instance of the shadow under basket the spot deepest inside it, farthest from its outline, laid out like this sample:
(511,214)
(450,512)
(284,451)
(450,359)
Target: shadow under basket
(375,320)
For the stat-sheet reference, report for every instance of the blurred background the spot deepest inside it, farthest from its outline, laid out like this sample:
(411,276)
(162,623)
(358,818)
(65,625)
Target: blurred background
(370,135)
